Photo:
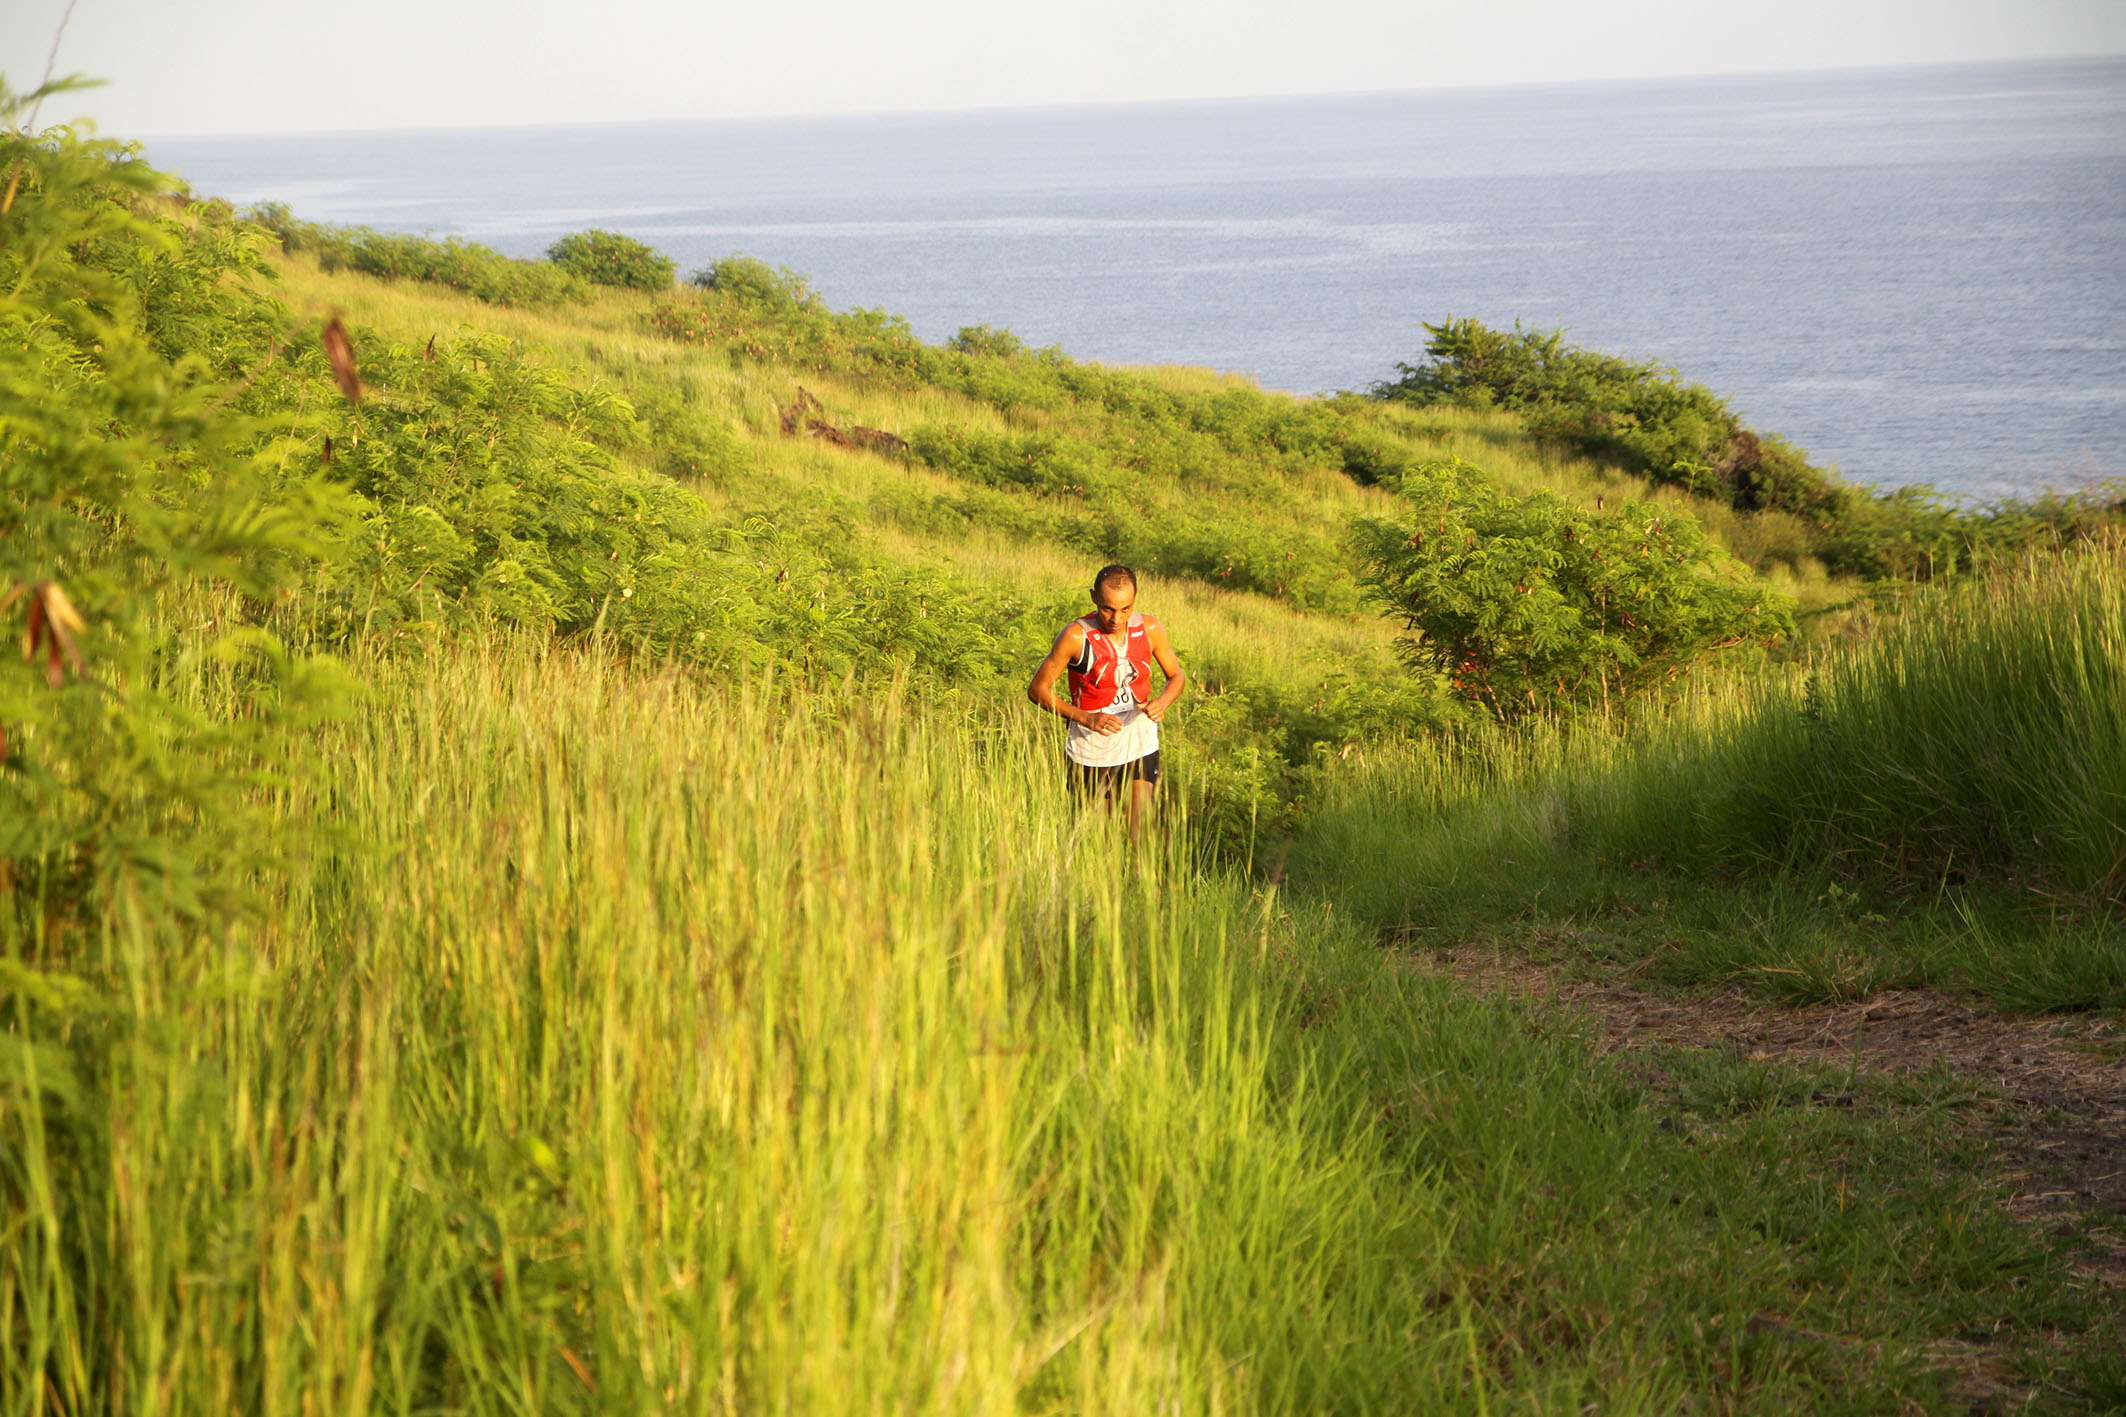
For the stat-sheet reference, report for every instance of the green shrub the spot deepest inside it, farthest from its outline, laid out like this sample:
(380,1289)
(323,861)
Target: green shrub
(610,258)
(754,282)
(1912,534)
(981,339)
(1637,414)
(1252,752)
(480,271)
(1527,603)
(1119,513)
(1370,458)
(1041,462)
(149,516)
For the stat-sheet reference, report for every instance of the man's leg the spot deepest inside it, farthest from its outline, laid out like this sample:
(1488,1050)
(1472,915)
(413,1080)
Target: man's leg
(1100,787)
(1141,791)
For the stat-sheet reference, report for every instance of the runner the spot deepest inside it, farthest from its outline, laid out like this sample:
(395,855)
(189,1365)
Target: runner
(1114,732)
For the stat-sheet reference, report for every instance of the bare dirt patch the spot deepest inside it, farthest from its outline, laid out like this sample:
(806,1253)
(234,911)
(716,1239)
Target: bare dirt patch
(2053,1089)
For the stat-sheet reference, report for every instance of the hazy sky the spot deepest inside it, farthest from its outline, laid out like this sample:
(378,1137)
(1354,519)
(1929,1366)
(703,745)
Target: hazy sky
(250,66)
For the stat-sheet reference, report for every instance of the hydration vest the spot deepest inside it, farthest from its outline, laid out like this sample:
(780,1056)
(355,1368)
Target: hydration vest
(1095,680)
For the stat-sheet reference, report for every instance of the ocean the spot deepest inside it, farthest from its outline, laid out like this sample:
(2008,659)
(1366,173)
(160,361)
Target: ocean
(1918,275)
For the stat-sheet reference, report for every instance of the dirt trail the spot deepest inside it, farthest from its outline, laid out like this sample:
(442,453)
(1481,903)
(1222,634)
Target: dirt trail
(2057,1108)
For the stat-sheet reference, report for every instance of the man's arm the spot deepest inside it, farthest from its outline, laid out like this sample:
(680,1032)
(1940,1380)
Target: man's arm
(1043,688)
(1176,681)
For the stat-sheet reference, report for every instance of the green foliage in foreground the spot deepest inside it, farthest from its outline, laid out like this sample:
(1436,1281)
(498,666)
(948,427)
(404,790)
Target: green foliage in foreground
(131,472)
(1528,604)
(611,258)
(634,1045)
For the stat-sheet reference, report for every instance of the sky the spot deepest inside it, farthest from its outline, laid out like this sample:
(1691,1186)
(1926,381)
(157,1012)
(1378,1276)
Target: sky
(196,67)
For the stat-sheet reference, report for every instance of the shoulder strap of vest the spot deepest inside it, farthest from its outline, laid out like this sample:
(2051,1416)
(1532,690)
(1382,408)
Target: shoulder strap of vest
(1082,661)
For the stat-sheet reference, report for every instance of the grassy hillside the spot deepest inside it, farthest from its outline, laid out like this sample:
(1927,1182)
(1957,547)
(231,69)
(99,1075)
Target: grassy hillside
(527,882)
(1022,469)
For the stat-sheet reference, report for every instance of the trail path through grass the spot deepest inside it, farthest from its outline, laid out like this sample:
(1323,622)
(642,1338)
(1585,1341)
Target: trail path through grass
(2046,1094)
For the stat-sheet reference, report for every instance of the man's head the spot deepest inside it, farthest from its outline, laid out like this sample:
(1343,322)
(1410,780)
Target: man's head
(1114,596)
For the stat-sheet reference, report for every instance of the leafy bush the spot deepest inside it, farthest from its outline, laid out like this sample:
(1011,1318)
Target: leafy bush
(982,339)
(480,271)
(1528,603)
(676,436)
(610,258)
(1252,752)
(756,283)
(1118,514)
(1910,534)
(1042,462)
(1638,414)
(1371,458)
(142,494)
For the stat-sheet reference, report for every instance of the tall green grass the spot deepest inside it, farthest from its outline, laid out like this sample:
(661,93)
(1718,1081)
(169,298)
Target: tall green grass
(1965,760)
(621,1043)
(1981,735)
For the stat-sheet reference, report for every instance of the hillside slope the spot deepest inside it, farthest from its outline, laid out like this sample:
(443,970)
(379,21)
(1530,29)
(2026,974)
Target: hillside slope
(526,885)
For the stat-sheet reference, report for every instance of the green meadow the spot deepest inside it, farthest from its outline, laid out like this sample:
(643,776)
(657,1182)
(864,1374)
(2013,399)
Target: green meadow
(528,881)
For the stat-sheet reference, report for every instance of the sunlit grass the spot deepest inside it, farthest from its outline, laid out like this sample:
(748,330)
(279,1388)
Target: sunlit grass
(625,1043)
(1970,748)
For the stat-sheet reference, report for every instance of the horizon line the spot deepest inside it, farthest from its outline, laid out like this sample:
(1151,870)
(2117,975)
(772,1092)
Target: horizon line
(1200,101)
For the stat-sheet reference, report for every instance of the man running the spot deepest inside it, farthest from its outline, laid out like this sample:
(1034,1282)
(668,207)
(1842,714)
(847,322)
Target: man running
(1114,732)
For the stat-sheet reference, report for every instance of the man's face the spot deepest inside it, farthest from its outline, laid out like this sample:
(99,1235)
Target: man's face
(1112,604)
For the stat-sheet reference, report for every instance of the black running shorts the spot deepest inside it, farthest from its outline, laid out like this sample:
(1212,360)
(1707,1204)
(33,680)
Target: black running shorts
(1107,782)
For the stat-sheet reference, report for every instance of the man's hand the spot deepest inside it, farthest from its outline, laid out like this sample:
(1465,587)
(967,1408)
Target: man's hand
(1103,723)
(1176,681)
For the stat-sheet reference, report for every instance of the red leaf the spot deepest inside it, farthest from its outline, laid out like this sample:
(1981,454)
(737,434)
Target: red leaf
(50,624)
(340,350)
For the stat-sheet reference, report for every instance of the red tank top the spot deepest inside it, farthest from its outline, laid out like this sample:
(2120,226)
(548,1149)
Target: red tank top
(1096,674)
